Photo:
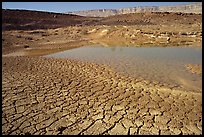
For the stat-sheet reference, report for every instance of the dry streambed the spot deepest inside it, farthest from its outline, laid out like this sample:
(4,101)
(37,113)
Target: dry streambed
(61,96)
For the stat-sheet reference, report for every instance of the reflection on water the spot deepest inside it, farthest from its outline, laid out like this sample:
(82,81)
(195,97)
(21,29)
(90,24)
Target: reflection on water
(162,64)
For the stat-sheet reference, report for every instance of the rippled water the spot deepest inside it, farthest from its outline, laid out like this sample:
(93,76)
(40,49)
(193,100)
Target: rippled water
(161,64)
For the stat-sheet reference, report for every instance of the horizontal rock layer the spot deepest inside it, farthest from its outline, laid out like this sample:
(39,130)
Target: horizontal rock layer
(190,8)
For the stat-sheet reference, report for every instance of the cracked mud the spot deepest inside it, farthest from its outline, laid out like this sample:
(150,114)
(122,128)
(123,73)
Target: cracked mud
(61,96)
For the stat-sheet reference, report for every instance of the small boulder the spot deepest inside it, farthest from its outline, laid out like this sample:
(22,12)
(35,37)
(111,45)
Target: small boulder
(168,38)
(26,46)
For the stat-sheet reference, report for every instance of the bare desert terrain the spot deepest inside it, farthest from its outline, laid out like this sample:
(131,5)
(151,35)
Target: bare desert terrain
(71,97)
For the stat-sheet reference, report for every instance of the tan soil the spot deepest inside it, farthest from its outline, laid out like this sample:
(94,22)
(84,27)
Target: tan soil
(194,68)
(68,37)
(61,96)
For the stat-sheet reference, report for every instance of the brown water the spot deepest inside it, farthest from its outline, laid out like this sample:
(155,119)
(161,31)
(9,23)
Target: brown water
(159,64)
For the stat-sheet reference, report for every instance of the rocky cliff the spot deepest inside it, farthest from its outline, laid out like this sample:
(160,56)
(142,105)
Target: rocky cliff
(190,8)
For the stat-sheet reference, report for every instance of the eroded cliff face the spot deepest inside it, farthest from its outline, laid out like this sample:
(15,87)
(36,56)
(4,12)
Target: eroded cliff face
(190,8)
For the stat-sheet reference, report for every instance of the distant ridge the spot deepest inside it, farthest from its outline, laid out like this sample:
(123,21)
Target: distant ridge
(188,8)
(29,20)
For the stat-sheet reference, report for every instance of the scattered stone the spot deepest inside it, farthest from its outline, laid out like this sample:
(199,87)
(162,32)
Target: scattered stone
(26,46)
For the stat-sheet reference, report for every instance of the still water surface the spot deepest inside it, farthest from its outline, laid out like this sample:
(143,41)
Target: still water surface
(161,64)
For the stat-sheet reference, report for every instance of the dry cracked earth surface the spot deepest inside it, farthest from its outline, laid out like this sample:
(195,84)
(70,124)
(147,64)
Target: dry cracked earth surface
(63,96)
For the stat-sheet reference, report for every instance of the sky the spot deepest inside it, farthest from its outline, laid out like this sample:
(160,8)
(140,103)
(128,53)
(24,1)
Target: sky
(60,7)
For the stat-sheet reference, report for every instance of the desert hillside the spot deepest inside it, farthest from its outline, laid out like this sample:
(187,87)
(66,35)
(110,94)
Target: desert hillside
(153,18)
(29,20)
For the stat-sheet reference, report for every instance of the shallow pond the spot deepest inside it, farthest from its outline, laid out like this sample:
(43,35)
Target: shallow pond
(162,64)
